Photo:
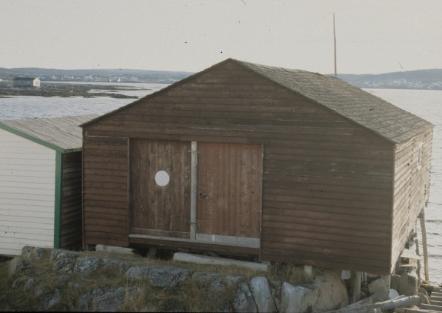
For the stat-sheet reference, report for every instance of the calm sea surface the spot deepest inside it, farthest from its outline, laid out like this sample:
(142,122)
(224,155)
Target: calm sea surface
(424,103)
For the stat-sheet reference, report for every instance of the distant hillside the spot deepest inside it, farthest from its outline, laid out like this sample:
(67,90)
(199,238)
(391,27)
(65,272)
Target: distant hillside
(419,79)
(95,75)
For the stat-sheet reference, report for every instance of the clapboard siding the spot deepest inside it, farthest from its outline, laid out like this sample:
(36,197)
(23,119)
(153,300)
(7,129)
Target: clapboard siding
(327,182)
(105,191)
(70,224)
(411,187)
(27,193)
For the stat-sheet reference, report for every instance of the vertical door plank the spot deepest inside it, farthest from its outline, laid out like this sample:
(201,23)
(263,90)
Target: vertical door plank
(154,207)
(229,185)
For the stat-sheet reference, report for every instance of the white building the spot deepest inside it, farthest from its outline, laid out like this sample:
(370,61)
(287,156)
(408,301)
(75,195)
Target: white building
(23,82)
(40,183)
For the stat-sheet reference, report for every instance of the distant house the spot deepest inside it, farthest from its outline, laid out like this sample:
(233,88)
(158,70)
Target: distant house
(40,183)
(24,82)
(241,158)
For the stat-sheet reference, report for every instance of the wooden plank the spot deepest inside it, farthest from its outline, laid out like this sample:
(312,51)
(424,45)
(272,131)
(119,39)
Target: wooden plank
(160,207)
(105,195)
(161,233)
(229,186)
(195,246)
(411,185)
(193,188)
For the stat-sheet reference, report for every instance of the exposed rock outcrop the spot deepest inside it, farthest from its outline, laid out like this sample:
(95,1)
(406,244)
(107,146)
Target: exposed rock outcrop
(44,279)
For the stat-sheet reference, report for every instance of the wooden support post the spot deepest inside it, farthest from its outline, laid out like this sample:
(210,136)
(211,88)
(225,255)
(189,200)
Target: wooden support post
(356,280)
(424,243)
(193,187)
(419,262)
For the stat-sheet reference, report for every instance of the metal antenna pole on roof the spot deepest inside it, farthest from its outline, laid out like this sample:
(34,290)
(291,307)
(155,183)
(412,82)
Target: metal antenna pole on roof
(334,45)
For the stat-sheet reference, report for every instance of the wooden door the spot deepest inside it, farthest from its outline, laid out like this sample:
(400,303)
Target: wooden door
(229,190)
(160,207)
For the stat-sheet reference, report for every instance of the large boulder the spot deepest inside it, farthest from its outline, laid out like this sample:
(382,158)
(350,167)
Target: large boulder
(167,276)
(34,253)
(216,289)
(297,299)
(63,261)
(137,273)
(393,294)
(51,300)
(244,301)
(331,292)
(16,265)
(104,299)
(114,265)
(262,294)
(159,276)
(275,287)
(109,301)
(87,264)
(379,288)
(232,280)
(215,281)
(210,280)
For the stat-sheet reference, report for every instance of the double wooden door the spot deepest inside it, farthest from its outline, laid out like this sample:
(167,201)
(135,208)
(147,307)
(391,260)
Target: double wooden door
(228,190)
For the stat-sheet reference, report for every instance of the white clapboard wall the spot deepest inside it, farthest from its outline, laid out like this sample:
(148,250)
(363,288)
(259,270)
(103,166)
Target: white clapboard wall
(27,194)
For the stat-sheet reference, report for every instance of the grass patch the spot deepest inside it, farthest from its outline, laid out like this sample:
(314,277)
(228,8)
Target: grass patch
(4,280)
(189,297)
(77,290)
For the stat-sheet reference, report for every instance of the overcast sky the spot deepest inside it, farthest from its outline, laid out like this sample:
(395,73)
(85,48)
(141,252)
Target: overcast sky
(373,36)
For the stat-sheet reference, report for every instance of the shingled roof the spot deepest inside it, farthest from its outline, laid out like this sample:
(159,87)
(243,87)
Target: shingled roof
(60,133)
(362,107)
(355,104)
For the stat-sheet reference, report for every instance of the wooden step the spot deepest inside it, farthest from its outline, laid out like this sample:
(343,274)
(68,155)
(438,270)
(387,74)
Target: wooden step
(435,302)
(435,308)
(436,294)
(436,298)
(416,311)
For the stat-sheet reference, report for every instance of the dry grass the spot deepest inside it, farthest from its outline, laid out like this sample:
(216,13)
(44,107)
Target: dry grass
(189,297)
(192,295)
(291,273)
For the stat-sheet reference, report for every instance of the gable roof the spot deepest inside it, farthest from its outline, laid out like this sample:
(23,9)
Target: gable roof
(353,103)
(367,110)
(62,134)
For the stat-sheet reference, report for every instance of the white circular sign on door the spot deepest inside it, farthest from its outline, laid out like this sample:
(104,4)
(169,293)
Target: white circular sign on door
(162,178)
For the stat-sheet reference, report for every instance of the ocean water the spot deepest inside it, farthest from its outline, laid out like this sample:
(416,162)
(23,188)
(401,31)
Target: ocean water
(424,103)
(30,106)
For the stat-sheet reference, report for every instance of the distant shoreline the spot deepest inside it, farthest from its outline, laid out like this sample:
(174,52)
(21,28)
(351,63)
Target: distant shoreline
(61,89)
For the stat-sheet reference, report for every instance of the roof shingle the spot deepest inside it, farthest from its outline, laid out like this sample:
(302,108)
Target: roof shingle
(61,133)
(363,108)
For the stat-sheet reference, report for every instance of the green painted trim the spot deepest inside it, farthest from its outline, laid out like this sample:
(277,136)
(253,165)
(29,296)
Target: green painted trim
(58,191)
(30,137)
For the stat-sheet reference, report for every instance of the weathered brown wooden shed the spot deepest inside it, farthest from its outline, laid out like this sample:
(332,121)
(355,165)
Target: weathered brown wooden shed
(242,158)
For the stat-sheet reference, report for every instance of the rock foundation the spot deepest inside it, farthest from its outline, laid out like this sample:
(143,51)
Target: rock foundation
(91,281)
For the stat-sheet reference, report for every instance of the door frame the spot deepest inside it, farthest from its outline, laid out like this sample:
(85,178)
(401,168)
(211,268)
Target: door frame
(250,242)
(149,232)
(194,236)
